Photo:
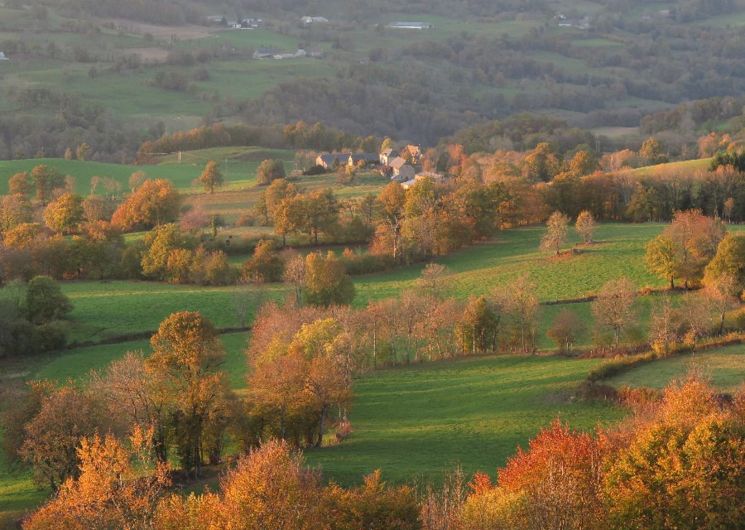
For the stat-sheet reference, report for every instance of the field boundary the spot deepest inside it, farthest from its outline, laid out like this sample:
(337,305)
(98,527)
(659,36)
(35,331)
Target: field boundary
(143,335)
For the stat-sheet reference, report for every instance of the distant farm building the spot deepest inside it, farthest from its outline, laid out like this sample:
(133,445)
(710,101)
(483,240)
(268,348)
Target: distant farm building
(3,57)
(307,21)
(402,170)
(332,160)
(366,159)
(387,155)
(410,25)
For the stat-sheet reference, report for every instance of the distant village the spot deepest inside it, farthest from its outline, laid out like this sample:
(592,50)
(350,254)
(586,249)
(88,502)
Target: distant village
(403,166)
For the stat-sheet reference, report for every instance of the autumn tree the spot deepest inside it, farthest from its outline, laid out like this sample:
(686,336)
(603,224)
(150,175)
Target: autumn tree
(432,281)
(14,210)
(540,164)
(52,436)
(556,233)
(270,170)
(153,203)
(64,214)
(117,487)
(652,152)
(391,203)
(82,151)
(721,294)
(581,164)
(187,354)
(162,244)
(211,177)
(269,488)
(585,226)
(327,382)
(20,184)
(664,327)
(566,330)
(729,260)
(373,505)
(278,191)
(265,265)
(46,180)
(478,329)
(684,467)
(559,477)
(518,308)
(685,247)
(294,274)
(326,281)
(662,259)
(614,309)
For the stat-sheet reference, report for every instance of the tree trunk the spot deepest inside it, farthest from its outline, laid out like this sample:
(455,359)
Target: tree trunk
(321,421)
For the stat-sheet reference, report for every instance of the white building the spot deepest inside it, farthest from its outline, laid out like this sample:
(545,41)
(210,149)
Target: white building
(314,20)
(3,57)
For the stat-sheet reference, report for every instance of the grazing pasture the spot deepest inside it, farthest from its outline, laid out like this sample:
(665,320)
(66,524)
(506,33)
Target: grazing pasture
(475,411)
(725,367)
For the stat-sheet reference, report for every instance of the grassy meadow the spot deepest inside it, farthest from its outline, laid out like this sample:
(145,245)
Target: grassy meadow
(419,423)
(474,410)
(724,367)
(238,165)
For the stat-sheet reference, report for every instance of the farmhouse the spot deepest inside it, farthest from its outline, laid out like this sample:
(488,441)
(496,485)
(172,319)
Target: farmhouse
(402,170)
(251,23)
(332,160)
(410,25)
(307,21)
(386,156)
(3,57)
(265,53)
(368,159)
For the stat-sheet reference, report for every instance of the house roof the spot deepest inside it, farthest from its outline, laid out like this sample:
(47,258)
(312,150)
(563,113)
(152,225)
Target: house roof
(398,162)
(367,157)
(331,158)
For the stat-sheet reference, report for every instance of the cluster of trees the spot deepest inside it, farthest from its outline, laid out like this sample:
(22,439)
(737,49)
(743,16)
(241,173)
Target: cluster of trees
(269,487)
(677,463)
(32,317)
(178,396)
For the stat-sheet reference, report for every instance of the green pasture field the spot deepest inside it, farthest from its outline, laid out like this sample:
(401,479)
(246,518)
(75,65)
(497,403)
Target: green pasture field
(103,310)
(684,167)
(725,367)
(109,309)
(419,423)
(618,251)
(238,164)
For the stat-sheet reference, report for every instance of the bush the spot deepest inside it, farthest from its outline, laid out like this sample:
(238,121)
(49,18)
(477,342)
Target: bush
(314,170)
(357,264)
(45,301)
(51,336)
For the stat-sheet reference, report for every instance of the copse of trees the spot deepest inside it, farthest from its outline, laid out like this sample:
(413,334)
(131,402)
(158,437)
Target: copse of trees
(688,445)
(685,247)
(269,171)
(32,317)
